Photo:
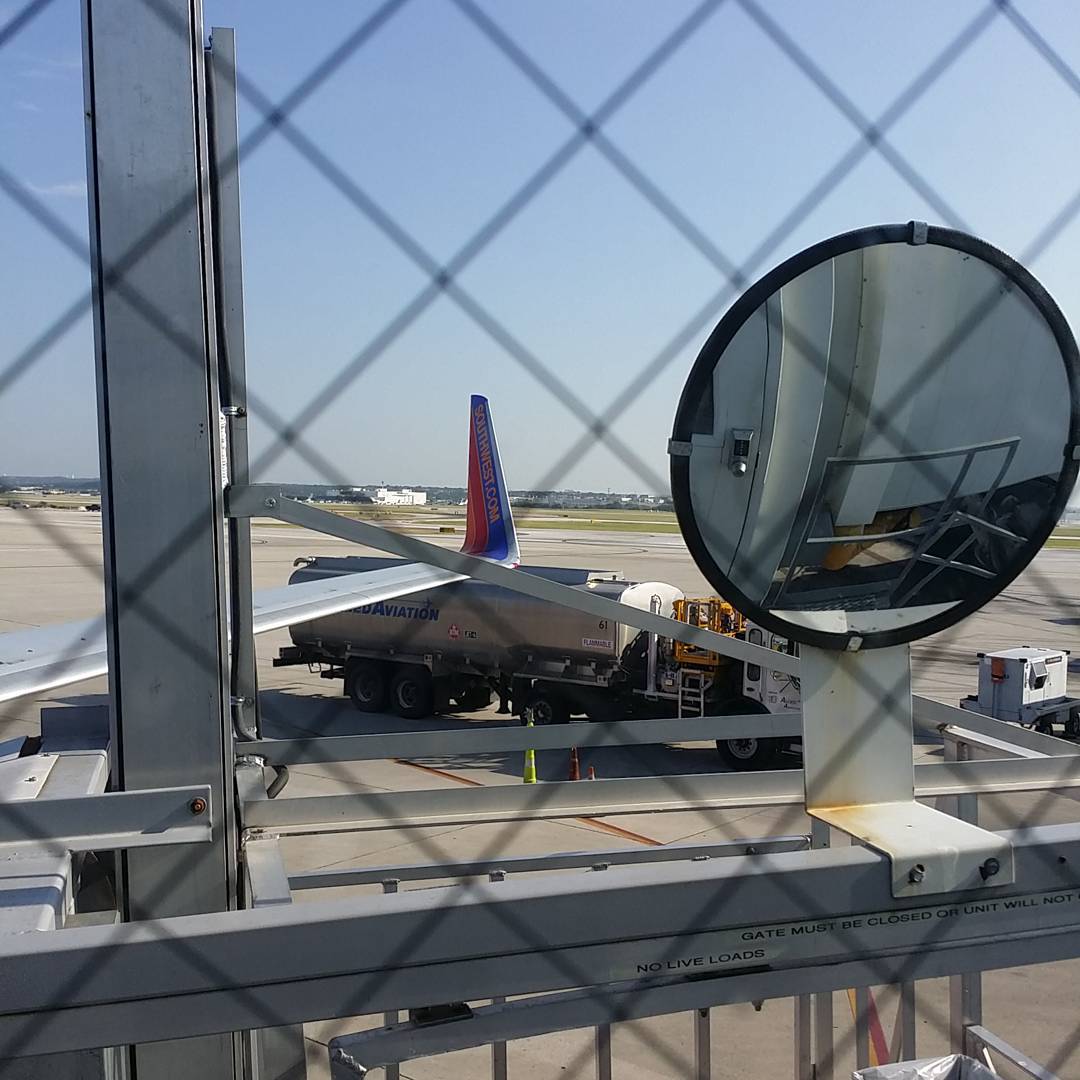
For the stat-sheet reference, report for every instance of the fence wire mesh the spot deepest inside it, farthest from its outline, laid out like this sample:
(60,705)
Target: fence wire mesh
(444,272)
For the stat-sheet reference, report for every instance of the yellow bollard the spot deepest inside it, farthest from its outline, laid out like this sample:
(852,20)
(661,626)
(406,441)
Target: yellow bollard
(529,776)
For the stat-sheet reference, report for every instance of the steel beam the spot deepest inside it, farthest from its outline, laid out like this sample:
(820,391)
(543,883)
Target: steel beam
(291,963)
(336,877)
(930,716)
(903,1044)
(602,1051)
(400,809)
(702,1020)
(121,820)
(160,471)
(509,737)
(1017,1058)
(821,837)
(229,309)
(802,1035)
(604,798)
(263,500)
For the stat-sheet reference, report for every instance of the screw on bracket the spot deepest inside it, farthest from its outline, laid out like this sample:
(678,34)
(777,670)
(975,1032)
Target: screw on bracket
(197,805)
(270,502)
(916,873)
(989,868)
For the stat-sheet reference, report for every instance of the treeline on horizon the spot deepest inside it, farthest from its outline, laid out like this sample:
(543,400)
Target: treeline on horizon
(551,500)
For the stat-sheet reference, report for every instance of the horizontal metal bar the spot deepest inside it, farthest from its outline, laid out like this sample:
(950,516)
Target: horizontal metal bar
(292,963)
(520,864)
(1025,1064)
(930,715)
(988,743)
(997,775)
(109,820)
(260,500)
(609,798)
(596,798)
(492,739)
(936,717)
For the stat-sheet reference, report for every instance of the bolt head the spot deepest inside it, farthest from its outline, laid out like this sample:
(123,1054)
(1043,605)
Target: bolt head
(197,806)
(271,502)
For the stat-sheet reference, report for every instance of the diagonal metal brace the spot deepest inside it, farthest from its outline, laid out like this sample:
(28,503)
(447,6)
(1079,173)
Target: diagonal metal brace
(263,500)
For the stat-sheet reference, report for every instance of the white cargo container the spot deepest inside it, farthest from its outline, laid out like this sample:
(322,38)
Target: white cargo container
(1026,686)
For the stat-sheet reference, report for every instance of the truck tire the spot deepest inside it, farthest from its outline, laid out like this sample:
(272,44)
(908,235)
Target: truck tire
(366,685)
(547,706)
(746,755)
(411,692)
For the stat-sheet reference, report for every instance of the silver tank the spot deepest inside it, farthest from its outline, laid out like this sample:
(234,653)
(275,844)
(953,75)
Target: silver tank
(475,623)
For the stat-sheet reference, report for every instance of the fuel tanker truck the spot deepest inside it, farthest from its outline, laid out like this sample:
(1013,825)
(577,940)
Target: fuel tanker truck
(452,647)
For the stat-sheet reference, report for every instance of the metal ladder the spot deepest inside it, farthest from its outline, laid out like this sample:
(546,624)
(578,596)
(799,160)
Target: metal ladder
(692,688)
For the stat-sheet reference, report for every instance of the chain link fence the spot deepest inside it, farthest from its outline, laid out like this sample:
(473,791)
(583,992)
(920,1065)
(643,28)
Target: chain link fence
(493,292)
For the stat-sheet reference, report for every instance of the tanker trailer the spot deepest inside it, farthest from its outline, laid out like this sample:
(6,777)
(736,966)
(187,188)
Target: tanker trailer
(455,644)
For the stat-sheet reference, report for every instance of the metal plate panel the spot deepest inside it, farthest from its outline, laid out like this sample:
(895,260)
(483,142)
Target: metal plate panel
(23,778)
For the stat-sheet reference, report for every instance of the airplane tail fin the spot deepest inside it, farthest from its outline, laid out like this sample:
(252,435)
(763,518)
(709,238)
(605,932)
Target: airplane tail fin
(489,531)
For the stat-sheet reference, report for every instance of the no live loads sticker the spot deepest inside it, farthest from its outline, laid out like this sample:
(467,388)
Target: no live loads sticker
(849,936)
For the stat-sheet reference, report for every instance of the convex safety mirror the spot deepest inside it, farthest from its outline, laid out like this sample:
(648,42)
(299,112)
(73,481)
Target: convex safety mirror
(877,437)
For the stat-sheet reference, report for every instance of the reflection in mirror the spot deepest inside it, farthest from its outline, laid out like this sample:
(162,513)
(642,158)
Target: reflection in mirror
(879,439)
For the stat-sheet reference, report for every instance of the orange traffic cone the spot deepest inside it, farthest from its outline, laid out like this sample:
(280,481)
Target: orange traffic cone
(592,772)
(575,765)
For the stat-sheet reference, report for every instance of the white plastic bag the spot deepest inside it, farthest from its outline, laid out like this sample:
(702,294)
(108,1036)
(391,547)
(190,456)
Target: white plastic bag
(953,1067)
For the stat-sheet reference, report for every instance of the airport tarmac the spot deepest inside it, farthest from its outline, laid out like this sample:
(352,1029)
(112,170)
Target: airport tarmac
(50,570)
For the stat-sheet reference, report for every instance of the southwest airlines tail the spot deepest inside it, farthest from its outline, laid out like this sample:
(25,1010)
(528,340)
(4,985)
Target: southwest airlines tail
(489,532)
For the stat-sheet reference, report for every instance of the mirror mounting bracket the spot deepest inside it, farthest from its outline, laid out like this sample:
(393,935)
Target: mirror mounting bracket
(920,232)
(860,775)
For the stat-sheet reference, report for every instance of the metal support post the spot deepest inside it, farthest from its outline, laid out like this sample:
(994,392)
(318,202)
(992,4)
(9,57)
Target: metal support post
(603,1052)
(702,1044)
(498,1049)
(228,280)
(160,470)
(820,837)
(393,1071)
(862,1027)
(903,1041)
(803,1028)
(860,777)
(965,991)
(276,1053)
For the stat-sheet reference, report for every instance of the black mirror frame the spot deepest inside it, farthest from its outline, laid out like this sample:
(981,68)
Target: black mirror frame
(699,381)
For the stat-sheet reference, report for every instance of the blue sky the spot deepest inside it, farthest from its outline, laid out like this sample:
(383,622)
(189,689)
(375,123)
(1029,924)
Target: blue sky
(439,129)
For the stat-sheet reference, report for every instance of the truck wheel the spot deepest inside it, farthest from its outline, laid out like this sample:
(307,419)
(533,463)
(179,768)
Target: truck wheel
(365,683)
(411,693)
(548,707)
(1072,725)
(747,754)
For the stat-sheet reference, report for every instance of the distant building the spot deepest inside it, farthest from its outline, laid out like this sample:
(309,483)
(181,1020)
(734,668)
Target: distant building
(401,497)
